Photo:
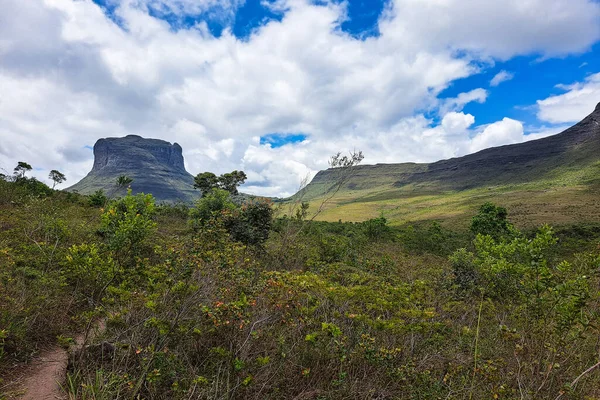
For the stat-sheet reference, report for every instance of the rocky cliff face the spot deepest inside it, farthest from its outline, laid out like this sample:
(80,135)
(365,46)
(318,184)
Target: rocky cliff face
(117,152)
(156,167)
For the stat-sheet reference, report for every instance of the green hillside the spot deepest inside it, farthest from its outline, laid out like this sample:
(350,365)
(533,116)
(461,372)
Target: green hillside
(552,179)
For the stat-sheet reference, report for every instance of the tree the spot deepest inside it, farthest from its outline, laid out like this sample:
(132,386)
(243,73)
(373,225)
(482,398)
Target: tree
(21,168)
(212,205)
(252,223)
(57,177)
(232,180)
(492,220)
(123,181)
(207,181)
(342,168)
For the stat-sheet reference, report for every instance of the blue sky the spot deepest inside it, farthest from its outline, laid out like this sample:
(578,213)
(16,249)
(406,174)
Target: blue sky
(274,87)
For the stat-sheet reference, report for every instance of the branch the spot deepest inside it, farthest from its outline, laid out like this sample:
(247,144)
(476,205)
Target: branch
(574,383)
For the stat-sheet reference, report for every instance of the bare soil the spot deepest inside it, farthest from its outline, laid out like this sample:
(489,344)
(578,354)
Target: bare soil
(41,379)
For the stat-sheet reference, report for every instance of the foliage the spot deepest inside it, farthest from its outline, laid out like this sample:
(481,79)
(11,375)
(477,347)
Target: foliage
(492,220)
(91,271)
(249,223)
(33,187)
(98,199)
(210,206)
(21,168)
(430,238)
(207,182)
(126,224)
(351,160)
(351,310)
(231,180)
(57,177)
(124,181)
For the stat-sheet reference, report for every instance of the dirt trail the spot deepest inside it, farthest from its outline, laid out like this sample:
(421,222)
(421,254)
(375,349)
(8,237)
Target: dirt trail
(43,377)
(42,381)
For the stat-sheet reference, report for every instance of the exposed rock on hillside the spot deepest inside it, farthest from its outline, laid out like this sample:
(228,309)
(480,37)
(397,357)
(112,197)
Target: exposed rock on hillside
(155,166)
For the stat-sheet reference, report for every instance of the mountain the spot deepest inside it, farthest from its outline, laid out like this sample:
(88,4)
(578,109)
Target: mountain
(566,162)
(156,167)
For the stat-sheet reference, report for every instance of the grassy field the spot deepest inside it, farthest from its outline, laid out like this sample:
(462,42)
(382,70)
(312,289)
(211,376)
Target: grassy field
(563,196)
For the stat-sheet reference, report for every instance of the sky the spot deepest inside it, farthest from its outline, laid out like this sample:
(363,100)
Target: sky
(275,87)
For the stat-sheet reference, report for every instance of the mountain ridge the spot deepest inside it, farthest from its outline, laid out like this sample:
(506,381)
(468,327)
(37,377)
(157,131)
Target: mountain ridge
(511,158)
(557,175)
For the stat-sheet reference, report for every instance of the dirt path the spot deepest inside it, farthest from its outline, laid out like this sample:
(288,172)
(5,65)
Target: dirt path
(47,372)
(43,377)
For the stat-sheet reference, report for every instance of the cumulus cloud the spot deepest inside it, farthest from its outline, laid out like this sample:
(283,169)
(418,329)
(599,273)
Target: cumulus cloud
(499,133)
(459,102)
(500,77)
(579,100)
(500,29)
(70,75)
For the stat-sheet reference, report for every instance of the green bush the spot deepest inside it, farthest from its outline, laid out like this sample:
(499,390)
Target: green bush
(97,199)
(492,220)
(213,205)
(251,224)
(126,224)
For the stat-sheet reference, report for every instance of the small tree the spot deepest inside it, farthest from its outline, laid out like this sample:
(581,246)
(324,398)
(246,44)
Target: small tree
(126,224)
(207,181)
(57,177)
(492,220)
(252,223)
(21,168)
(232,180)
(210,206)
(123,181)
(97,199)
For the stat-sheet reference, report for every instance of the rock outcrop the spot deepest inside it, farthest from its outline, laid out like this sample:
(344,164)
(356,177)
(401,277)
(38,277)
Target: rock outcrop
(156,167)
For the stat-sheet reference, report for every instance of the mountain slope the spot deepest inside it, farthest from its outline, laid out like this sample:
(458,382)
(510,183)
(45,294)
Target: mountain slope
(526,173)
(156,167)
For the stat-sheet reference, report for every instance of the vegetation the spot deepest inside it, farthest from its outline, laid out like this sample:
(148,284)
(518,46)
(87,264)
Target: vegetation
(21,168)
(57,177)
(207,181)
(124,181)
(207,302)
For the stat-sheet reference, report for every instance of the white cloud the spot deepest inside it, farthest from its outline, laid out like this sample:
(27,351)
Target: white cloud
(500,77)
(500,29)
(579,100)
(457,122)
(499,133)
(459,102)
(70,75)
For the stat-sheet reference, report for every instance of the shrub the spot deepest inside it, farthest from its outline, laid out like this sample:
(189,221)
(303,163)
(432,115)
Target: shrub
(211,206)
(251,224)
(97,199)
(33,187)
(492,220)
(126,224)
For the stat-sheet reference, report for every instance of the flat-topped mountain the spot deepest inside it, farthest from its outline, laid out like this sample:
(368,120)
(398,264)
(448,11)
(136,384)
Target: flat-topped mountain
(156,167)
(565,162)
